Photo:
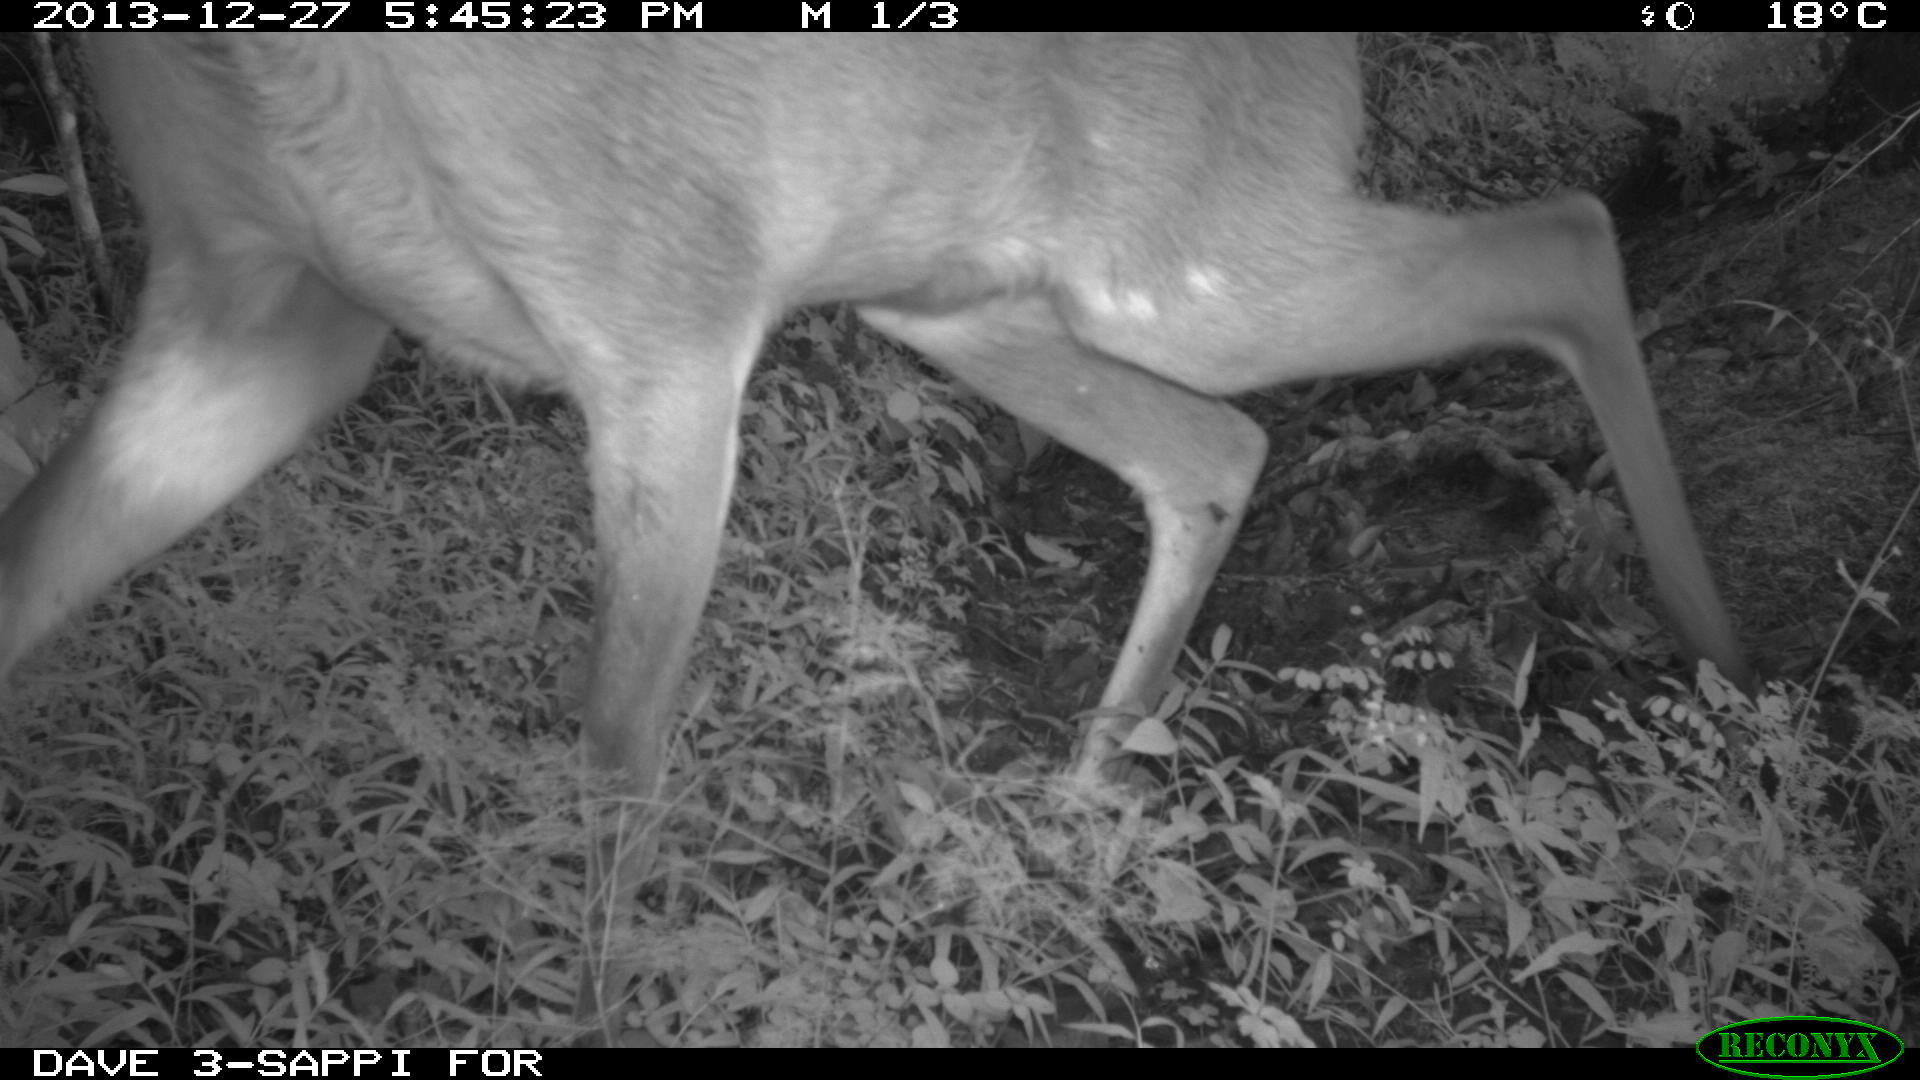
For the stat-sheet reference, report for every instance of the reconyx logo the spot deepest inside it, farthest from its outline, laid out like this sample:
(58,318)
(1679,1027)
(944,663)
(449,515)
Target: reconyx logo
(1800,1047)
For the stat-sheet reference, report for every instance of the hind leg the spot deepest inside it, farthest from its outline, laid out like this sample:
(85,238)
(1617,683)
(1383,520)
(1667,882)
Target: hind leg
(1192,459)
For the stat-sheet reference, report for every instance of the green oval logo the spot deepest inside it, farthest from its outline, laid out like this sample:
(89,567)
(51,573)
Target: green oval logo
(1800,1047)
